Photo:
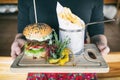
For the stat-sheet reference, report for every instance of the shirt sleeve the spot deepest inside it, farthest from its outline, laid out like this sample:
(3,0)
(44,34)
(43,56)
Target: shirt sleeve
(97,15)
(23,15)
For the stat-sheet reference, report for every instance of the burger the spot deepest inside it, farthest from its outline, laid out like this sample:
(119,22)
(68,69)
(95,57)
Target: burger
(42,42)
(38,37)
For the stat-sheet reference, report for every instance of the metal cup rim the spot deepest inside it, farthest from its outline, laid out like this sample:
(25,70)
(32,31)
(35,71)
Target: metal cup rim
(78,30)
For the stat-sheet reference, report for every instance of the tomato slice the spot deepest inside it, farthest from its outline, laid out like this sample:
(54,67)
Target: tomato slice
(31,47)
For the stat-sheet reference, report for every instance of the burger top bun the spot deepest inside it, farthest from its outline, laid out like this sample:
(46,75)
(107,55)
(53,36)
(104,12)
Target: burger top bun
(37,31)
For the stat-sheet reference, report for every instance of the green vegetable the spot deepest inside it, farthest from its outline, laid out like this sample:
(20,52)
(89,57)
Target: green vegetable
(60,44)
(56,38)
(35,51)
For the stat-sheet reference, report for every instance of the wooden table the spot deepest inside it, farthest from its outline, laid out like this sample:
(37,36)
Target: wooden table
(6,74)
(110,1)
(113,60)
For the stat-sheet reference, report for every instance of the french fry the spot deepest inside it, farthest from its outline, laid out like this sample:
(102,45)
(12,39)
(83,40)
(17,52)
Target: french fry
(66,14)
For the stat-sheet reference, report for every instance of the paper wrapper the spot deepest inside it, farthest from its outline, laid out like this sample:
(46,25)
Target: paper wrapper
(73,31)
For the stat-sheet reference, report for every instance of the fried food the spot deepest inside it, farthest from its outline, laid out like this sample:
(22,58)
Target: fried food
(66,14)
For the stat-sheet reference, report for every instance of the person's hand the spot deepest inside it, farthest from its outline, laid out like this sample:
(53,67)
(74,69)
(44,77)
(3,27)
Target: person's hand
(17,45)
(101,43)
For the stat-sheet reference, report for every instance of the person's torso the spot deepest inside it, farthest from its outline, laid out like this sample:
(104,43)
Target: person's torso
(46,10)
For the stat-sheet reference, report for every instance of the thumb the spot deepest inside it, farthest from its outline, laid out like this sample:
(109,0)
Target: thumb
(21,42)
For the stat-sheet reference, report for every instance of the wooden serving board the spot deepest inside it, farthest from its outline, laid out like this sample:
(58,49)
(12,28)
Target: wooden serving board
(90,60)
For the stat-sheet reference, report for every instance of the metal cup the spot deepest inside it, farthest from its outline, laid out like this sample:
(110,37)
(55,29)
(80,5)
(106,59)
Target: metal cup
(76,39)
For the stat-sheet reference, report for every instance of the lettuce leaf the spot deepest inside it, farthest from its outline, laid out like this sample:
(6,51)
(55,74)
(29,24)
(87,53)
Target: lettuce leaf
(31,51)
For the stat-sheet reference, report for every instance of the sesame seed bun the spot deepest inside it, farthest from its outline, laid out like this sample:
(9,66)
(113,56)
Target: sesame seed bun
(37,31)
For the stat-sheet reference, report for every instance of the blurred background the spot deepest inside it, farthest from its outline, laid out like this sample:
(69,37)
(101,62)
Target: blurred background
(8,30)
(8,24)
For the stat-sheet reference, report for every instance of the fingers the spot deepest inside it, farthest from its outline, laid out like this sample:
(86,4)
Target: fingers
(105,51)
(101,47)
(13,54)
(21,42)
(101,42)
(17,45)
(13,51)
(16,48)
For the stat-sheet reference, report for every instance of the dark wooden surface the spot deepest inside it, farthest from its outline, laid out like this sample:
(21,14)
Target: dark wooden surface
(8,29)
(112,32)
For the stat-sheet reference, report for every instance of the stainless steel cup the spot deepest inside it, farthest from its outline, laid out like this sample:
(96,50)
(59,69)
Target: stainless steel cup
(76,38)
